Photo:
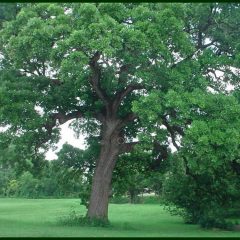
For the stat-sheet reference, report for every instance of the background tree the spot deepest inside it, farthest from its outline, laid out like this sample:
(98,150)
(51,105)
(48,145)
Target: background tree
(6,173)
(80,166)
(130,175)
(19,155)
(90,62)
(140,172)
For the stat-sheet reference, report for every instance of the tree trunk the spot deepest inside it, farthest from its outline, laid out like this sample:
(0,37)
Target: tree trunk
(132,196)
(98,204)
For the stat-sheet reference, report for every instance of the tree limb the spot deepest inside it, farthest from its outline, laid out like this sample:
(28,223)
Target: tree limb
(182,61)
(123,93)
(95,78)
(172,134)
(128,118)
(124,69)
(161,152)
(199,47)
(61,118)
(171,131)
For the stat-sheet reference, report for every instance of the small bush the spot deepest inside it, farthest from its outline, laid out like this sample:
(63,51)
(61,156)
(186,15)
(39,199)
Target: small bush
(12,188)
(77,219)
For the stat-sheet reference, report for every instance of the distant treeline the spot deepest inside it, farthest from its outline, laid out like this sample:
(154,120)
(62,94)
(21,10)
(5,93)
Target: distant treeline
(28,186)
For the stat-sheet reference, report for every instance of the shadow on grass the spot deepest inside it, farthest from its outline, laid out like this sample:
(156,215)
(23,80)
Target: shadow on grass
(75,218)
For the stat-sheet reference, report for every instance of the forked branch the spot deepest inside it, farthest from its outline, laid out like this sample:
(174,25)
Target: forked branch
(123,93)
(95,78)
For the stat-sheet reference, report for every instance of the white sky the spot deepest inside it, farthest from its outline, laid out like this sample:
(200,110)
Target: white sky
(67,136)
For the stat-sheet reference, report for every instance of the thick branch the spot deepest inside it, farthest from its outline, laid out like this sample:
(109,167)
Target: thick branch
(122,94)
(199,47)
(61,118)
(161,151)
(128,118)
(172,133)
(99,116)
(95,78)
(123,71)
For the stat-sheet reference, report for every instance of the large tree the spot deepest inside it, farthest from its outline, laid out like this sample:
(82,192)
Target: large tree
(88,62)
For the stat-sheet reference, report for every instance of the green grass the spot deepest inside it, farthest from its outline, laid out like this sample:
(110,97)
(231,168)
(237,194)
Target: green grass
(40,218)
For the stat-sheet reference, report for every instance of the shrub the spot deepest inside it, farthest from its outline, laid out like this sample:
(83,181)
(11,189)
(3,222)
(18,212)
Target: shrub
(12,188)
(77,219)
(199,200)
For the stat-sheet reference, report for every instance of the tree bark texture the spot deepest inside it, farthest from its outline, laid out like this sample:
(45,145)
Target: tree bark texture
(99,198)
(111,144)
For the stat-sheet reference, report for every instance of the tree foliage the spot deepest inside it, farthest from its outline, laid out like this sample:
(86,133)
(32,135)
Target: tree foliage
(153,72)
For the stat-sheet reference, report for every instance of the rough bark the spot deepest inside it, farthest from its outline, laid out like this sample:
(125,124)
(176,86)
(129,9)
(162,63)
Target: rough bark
(111,144)
(98,204)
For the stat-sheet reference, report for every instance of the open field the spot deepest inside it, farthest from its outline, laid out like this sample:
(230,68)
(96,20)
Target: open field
(40,218)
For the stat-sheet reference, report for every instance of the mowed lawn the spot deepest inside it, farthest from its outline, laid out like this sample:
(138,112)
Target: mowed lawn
(40,218)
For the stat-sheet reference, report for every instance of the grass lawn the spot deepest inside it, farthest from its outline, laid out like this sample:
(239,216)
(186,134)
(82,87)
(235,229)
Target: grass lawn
(40,218)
